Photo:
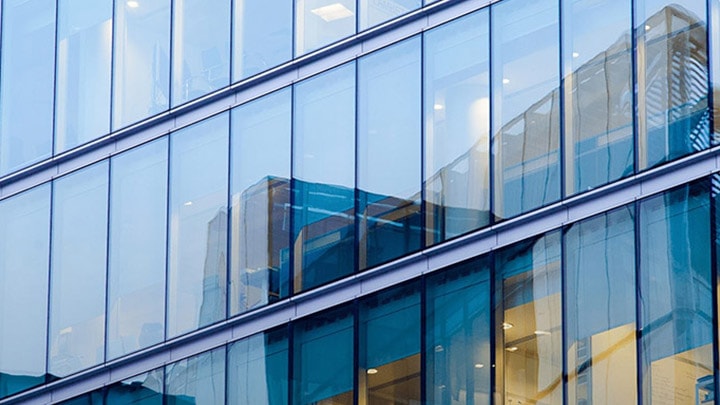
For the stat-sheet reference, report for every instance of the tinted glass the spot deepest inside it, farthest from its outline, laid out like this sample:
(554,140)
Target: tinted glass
(262,33)
(24,254)
(197,380)
(145,389)
(321,22)
(198,225)
(526,105)
(84,49)
(373,12)
(141,60)
(136,266)
(324,177)
(258,369)
(26,82)
(598,89)
(388,179)
(715,64)
(600,309)
(201,48)
(457,127)
(77,288)
(260,236)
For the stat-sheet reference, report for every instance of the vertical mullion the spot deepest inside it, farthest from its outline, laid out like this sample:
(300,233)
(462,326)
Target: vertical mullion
(638,307)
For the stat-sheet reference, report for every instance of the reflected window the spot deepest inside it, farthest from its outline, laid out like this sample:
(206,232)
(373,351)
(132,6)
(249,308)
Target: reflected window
(373,12)
(144,389)
(321,22)
(258,369)
(197,380)
(262,35)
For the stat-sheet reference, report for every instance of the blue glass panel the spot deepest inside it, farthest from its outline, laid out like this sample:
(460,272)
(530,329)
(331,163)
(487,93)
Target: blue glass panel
(27,68)
(24,255)
(374,12)
(77,288)
(145,389)
(197,380)
(82,93)
(321,22)
(262,35)
(258,369)
(324,177)
(715,65)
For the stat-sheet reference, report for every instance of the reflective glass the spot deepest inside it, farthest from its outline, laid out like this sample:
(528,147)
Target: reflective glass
(321,22)
(136,265)
(258,369)
(145,389)
(91,398)
(672,79)
(676,290)
(262,34)
(457,334)
(389,369)
(528,316)
(388,178)
(78,260)
(82,93)
(260,186)
(198,225)
(457,127)
(27,70)
(598,92)
(374,12)
(526,105)
(201,48)
(197,380)
(24,255)
(323,359)
(600,309)
(324,177)
(141,62)
(715,65)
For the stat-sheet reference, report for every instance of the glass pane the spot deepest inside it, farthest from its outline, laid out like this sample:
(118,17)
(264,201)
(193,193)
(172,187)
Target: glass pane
(598,92)
(92,398)
(715,64)
(672,79)
(27,71)
(457,132)
(458,335)
(138,211)
(260,174)
(389,131)
(321,22)
(528,319)
(84,49)
(145,389)
(262,35)
(676,291)
(600,309)
(374,12)
(324,215)
(198,225)
(197,380)
(141,68)
(323,359)
(389,369)
(24,254)
(526,105)
(201,48)
(258,369)
(77,288)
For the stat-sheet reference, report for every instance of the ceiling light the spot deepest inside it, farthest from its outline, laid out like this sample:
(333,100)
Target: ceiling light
(478,365)
(188,203)
(332,12)
(511,349)
(507,325)
(439,348)
(506,81)
(133,4)
(647,28)
(438,107)
(575,54)
(372,371)
(542,333)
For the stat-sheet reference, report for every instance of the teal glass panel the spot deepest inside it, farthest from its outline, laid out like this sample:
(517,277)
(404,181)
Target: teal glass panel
(262,35)
(197,380)
(324,178)
(457,127)
(141,60)
(201,48)
(91,398)
(78,264)
(136,264)
(600,309)
(374,12)
(598,89)
(672,79)
(260,201)
(458,367)
(197,259)
(321,22)
(388,167)
(390,346)
(24,255)
(323,358)
(526,105)
(27,71)
(715,66)
(258,369)
(528,326)
(82,92)
(676,295)
(144,389)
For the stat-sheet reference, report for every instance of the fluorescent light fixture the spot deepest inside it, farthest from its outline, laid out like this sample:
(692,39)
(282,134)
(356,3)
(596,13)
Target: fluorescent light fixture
(542,333)
(438,107)
(506,81)
(133,4)
(372,371)
(188,203)
(507,325)
(332,12)
(511,349)
(478,365)
(575,55)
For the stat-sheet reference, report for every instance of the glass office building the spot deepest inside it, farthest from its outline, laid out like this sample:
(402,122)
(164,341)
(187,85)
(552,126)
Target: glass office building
(330,202)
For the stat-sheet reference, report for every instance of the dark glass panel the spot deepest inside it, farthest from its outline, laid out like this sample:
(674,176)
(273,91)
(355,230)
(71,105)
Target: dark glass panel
(145,389)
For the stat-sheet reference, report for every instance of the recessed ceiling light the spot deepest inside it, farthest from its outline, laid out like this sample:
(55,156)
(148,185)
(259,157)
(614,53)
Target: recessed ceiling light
(512,349)
(332,12)
(647,28)
(575,54)
(188,203)
(372,371)
(133,4)
(438,107)
(439,348)
(478,365)
(506,81)
(542,333)
(507,325)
